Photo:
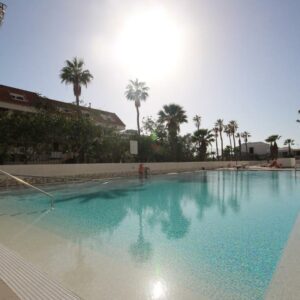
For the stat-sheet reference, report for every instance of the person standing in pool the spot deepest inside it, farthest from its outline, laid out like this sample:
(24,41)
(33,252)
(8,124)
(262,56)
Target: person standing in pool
(141,170)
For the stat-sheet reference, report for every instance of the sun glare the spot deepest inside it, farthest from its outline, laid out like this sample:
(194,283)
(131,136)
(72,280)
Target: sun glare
(158,290)
(150,43)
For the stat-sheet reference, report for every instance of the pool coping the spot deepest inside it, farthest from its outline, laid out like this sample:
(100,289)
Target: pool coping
(26,281)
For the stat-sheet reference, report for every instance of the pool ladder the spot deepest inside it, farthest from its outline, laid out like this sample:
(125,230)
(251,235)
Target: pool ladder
(30,185)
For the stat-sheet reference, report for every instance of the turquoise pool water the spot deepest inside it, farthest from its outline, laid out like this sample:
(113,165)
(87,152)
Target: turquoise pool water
(219,233)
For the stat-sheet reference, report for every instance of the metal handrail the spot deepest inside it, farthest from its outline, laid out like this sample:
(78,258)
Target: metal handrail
(30,185)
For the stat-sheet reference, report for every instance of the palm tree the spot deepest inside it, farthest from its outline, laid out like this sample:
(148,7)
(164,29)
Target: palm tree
(172,116)
(245,135)
(220,125)
(273,145)
(2,12)
(137,91)
(74,74)
(197,120)
(205,137)
(227,130)
(289,142)
(233,127)
(216,131)
(238,136)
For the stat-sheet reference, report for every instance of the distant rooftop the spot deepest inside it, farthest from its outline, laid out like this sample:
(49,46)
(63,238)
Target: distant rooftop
(22,100)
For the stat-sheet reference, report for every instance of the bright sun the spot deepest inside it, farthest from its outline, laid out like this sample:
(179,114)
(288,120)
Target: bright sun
(150,44)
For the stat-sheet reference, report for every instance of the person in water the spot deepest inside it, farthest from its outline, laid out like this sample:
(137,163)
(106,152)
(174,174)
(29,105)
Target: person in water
(143,171)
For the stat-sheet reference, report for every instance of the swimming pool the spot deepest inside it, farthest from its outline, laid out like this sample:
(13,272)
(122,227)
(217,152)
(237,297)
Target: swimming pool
(200,235)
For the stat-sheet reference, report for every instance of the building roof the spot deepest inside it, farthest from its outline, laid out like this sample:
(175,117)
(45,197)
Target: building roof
(26,99)
(256,143)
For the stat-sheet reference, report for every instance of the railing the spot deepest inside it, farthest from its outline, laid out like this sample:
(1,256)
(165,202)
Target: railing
(30,185)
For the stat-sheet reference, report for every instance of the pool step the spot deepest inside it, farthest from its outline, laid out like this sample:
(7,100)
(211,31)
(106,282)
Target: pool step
(27,282)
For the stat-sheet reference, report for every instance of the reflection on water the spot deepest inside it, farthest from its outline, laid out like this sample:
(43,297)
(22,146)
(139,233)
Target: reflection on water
(207,223)
(141,250)
(102,208)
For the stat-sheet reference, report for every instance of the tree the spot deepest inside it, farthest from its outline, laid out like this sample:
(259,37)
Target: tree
(273,145)
(233,126)
(245,135)
(220,125)
(74,74)
(204,137)
(197,120)
(216,131)
(227,152)
(289,142)
(227,130)
(137,91)
(155,129)
(238,136)
(172,116)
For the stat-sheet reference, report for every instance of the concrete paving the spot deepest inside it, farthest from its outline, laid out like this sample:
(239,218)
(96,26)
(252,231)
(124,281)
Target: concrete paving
(6,293)
(285,283)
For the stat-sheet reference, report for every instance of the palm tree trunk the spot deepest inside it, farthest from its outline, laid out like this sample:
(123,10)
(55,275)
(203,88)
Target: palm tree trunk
(77,105)
(217,150)
(233,138)
(221,137)
(77,100)
(138,119)
(289,149)
(230,143)
(234,145)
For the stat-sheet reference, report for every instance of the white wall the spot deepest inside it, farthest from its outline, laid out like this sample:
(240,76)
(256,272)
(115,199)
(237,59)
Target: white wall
(260,148)
(287,162)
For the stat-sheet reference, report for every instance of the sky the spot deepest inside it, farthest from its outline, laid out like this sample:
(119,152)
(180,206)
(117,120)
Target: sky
(229,59)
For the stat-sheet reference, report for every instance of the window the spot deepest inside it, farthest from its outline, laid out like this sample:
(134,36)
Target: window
(107,117)
(86,113)
(17,97)
(63,110)
(251,150)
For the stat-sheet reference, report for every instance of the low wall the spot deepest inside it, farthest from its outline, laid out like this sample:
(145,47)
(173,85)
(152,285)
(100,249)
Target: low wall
(287,162)
(41,174)
(58,170)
